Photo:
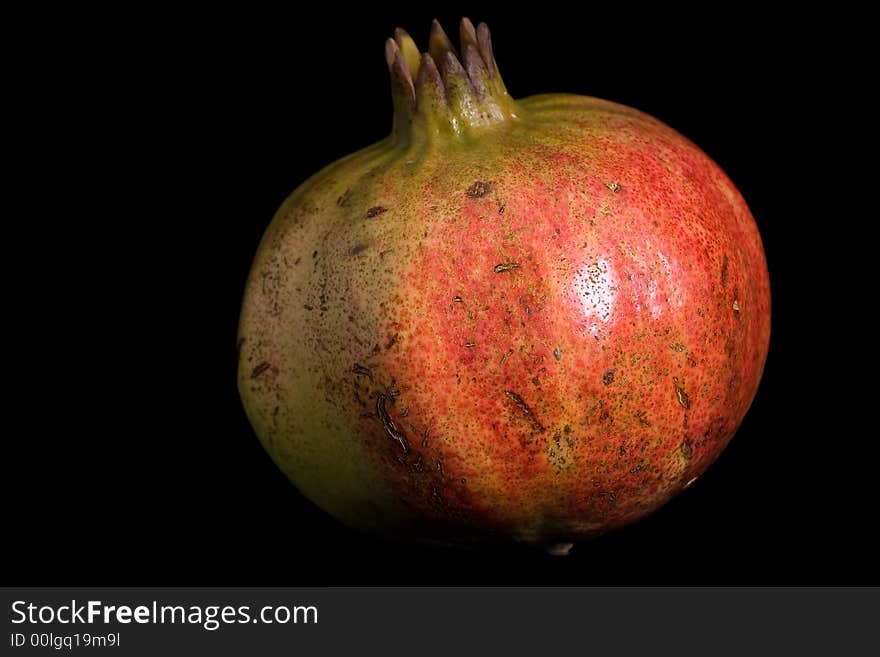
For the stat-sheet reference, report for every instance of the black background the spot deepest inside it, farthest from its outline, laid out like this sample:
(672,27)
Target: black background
(161,144)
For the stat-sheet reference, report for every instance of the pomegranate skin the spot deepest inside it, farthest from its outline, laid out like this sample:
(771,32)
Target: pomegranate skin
(539,329)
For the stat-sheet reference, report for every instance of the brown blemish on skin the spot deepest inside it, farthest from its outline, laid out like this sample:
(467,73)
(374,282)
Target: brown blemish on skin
(734,382)
(438,498)
(724,265)
(238,345)
(375,211)
(506,266)
(259,369)
(642,417)
(357,249)
(390,428)
(391,341)
(343,198)
(480,189)
(678,346)
(557,353)
(683,398)
(608,377)
(506,356)
(361,370)
(687,449)
(613,186)
(729,346)
(526,411)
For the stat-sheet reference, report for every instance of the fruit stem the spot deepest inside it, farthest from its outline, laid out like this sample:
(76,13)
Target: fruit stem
(439,93)
(560,549)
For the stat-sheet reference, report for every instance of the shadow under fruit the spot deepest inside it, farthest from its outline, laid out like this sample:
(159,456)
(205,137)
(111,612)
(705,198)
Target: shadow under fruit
(532,319)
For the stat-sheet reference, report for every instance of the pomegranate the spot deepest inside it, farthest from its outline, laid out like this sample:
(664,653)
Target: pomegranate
(533,319)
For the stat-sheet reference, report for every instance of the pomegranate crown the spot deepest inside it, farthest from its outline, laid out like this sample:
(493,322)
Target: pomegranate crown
(438,92)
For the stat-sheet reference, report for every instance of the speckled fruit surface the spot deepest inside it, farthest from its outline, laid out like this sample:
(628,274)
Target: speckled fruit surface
(536,319)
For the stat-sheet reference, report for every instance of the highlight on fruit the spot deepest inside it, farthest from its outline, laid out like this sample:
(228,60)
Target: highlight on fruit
(530,320)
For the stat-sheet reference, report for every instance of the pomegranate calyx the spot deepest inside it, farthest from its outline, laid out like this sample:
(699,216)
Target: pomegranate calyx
(439,93)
